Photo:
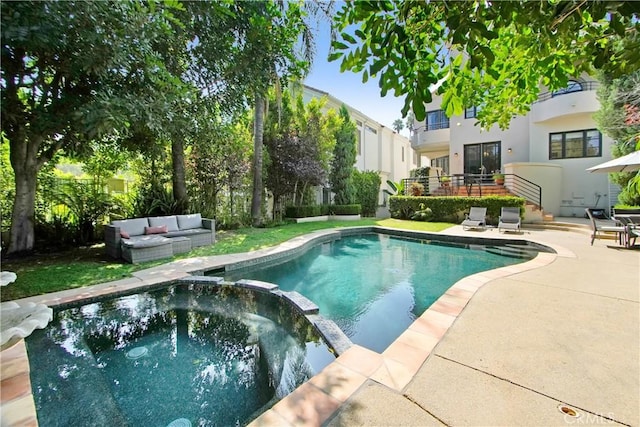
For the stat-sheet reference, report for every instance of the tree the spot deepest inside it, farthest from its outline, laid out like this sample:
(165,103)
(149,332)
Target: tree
(70,72)
(398,125)
(299,141)
(283,51)
(494,55)
(617,118)
(344,157)
(410,121)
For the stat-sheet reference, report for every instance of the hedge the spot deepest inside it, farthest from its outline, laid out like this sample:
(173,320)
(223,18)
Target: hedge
(305,211)
(452,209)
(345,209)
(367,186)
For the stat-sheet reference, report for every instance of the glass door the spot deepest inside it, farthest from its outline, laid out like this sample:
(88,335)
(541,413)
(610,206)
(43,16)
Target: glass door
(482,158)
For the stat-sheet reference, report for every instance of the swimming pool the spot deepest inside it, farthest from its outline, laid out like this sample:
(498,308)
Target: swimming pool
(375,285)
(210,355)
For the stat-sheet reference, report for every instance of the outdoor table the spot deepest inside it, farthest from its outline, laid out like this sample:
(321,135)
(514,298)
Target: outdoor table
(631,221)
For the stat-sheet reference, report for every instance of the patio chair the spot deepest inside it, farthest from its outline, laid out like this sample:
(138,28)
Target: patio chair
(596,228)
(476,218)
(509,219)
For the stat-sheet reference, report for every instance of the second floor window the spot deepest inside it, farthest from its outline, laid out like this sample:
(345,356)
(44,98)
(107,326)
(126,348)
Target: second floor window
(437,120)
(471,112)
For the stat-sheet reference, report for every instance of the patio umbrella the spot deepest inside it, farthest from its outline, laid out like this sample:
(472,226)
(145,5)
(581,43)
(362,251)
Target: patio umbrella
(628,163)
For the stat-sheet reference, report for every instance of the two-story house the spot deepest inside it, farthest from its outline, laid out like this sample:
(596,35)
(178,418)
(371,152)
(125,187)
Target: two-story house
(550,147)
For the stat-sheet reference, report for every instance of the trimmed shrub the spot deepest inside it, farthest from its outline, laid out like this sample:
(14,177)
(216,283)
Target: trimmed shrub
(303,211)
(451,209)
(345,209)
(424,214)
(416,189)
(367,185)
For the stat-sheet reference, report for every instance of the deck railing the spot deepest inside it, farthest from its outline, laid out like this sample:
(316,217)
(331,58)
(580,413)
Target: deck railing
(444,185)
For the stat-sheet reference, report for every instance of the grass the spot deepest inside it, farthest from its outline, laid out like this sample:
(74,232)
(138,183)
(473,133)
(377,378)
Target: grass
(79,267)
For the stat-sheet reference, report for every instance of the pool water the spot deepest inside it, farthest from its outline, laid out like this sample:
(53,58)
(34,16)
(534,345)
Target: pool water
(212,356)
(374,286)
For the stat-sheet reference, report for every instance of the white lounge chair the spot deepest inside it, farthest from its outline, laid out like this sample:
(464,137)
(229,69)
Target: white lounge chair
(509,219)
(476,218)
(620,230)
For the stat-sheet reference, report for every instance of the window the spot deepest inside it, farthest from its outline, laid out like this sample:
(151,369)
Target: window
(372,130)
(575,144)
(471,112)
(403,154)
(437,120)
(358,142)
(572,86)
(441,162)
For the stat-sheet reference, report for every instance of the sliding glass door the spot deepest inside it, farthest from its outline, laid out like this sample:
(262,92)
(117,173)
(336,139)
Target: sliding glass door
(482,158)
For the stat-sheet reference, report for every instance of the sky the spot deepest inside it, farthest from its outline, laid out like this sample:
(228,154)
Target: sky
(348,86)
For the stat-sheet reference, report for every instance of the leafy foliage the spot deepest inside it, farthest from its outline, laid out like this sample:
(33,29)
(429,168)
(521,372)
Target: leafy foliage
(299,141)
(367,185)
(344,157)
(217,168)
(493,55)
(619,101)
(395,188)
(424,214)
(88,204)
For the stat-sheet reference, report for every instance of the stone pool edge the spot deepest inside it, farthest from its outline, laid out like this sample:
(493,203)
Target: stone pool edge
(318,399)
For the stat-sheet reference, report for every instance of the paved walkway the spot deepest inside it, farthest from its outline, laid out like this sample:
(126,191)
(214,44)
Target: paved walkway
(506,347)
(566,334)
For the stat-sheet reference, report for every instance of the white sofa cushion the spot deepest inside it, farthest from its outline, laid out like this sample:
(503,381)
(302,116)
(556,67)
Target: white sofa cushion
(133,227)
(186,222)
(170,221)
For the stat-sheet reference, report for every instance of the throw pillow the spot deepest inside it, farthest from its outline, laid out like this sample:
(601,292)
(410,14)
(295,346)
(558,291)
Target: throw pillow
(124,234)
(155,230)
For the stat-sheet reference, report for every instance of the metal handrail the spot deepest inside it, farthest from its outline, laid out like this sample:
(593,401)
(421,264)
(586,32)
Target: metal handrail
(515,184)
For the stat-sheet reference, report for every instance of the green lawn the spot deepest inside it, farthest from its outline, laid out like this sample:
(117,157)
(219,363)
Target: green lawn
(88,266)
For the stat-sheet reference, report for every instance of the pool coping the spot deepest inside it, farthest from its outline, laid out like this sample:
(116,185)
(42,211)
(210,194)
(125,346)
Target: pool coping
(315,401)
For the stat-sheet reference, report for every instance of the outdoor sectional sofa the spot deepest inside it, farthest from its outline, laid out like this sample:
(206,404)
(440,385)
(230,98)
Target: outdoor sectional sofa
(145,239)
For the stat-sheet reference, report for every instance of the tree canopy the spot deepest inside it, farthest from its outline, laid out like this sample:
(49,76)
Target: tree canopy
(493,55)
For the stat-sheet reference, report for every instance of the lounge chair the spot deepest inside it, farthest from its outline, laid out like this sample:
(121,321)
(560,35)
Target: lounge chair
(476,218)
(509,219)
(620,230)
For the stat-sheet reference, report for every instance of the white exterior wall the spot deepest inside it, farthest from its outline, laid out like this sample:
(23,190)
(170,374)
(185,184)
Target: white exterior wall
(580,188)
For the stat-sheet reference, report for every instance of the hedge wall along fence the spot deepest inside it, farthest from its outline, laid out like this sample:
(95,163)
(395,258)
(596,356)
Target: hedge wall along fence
(452,209)
(306,211)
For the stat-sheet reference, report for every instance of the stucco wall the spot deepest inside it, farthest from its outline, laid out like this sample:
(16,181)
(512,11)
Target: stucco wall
(580,188)
(548,176)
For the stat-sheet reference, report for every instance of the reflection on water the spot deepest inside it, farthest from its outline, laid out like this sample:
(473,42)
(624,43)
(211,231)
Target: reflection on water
(216,356)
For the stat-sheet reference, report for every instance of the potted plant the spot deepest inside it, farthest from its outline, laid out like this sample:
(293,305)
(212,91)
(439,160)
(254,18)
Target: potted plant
(445,180)
(498,178)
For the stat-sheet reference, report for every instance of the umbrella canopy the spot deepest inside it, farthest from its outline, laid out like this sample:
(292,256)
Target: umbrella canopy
(628,163)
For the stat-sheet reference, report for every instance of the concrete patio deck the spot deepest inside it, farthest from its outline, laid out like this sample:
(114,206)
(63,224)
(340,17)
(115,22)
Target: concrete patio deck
(505,347)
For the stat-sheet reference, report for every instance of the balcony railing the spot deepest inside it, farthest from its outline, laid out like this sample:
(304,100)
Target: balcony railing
(515,184)
(442,124)
(583,87)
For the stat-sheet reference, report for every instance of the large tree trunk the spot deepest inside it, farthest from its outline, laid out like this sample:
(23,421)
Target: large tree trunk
(25,166)
(179,181)
(258,136)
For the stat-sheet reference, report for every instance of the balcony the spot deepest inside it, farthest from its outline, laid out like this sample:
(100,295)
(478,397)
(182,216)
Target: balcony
(435,136)
(573,100)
